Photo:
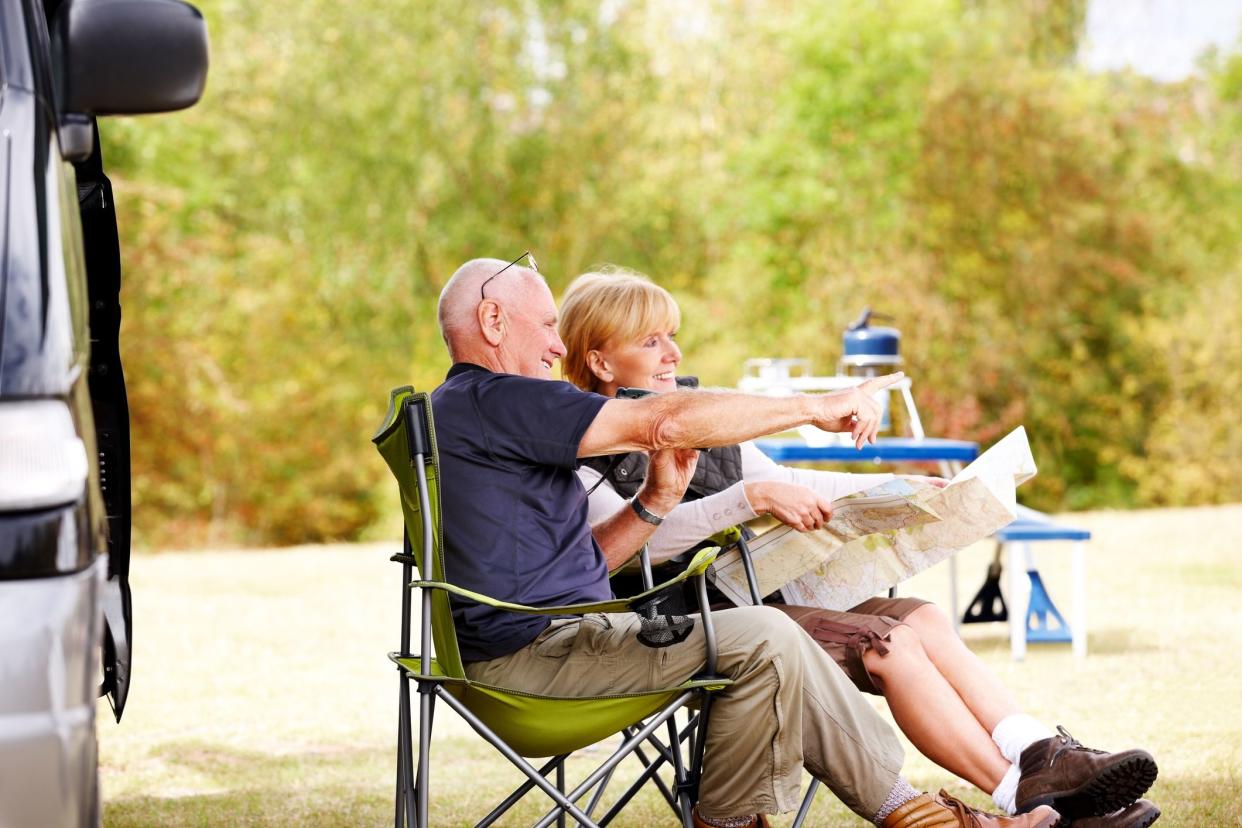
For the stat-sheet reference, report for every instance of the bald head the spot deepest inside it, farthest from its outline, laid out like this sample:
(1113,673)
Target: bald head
(506,331)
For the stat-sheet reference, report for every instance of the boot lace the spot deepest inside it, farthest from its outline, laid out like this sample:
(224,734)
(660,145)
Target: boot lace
(965,814)
(1067,742)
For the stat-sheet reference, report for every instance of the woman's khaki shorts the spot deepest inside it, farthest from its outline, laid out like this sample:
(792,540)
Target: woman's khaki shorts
(845,636)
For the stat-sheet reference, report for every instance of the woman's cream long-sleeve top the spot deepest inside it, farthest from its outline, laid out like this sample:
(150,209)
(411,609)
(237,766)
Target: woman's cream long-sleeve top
(695,520)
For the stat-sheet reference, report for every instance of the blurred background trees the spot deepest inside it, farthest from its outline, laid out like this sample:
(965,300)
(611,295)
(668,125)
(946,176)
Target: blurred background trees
(1060,248)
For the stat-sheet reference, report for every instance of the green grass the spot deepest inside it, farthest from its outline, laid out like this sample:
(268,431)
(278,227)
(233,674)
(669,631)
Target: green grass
(262,695)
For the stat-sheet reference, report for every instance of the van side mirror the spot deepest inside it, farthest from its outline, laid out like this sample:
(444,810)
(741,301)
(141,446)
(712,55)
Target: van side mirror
(125,57)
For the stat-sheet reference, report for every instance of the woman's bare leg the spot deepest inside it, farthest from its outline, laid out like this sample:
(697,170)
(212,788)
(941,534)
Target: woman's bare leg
(986,698)
(931,713)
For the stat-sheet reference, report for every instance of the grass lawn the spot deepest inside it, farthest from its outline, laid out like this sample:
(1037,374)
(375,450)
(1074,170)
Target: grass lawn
(262,695)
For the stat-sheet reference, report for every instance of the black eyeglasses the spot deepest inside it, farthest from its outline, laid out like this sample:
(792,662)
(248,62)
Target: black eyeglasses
(525,255)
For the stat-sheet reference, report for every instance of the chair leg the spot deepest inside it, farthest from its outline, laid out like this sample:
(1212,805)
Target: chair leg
(408,794)
(698,745)
(402,735)
(517,794)
(562,801)
(806,803)
(560,786)
(626,748)
(599,791)
(426,710)
(651,768)
(679,774)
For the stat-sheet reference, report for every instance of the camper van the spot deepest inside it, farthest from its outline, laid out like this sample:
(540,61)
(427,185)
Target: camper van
(65,624)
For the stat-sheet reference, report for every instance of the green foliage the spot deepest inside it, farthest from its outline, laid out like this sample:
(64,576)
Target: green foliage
(1059,249)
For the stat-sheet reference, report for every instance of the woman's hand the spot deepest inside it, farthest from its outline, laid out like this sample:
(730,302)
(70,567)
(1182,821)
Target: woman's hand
(798,507)
(668,474)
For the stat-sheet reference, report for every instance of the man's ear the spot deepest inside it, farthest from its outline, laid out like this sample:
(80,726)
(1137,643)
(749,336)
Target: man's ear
(491,321)
(599,366)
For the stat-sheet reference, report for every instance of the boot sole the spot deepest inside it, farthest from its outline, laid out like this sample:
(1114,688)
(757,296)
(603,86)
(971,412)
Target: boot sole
(1110,790)
(1144,820)
(1147,820)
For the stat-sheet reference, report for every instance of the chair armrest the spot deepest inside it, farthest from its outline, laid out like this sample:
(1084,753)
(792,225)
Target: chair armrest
(697,566)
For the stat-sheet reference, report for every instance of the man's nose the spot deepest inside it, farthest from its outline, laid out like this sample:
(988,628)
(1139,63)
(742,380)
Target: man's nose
(558,347)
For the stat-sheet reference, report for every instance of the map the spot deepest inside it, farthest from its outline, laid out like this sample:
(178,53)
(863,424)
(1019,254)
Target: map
(880,537)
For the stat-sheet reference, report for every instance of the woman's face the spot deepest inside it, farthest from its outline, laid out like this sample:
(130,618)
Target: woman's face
(648,362)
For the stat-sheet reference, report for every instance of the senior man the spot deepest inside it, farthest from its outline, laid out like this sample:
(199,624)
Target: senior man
(515,527)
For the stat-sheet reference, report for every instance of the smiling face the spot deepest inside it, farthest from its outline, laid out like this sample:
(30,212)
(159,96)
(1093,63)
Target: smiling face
(620,331)
(648,362)
(531,343)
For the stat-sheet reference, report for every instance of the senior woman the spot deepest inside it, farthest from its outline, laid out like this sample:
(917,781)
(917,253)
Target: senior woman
(620,330)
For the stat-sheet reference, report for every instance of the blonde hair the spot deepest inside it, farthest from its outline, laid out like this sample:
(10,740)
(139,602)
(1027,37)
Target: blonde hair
(606,307)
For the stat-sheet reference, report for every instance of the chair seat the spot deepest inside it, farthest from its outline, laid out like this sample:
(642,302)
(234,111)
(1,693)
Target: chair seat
(538,725)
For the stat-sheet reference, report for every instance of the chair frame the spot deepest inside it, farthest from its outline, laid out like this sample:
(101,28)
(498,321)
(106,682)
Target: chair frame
(412,798)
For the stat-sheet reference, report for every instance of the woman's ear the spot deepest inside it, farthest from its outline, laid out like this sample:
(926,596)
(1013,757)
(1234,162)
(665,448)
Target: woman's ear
(599,366)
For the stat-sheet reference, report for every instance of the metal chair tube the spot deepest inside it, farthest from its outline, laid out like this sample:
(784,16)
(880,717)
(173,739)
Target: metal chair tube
(649,772)
(748,565)
(428,550)
(806,803)
(644,560)
(620,753)
(519,792)
(560,786)
(709,629)
(521,764)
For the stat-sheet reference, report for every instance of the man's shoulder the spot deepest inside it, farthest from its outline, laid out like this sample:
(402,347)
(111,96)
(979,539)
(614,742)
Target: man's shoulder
(489,392)
(491,381)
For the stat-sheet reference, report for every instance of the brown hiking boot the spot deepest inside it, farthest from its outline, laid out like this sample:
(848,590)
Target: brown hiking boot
(1138,815)
(1079,781)
(926,811)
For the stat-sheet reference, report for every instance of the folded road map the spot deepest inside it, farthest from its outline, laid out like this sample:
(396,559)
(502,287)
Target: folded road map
(882,536)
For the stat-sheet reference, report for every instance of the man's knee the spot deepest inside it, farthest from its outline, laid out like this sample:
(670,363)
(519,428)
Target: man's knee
(762,623)
(751,636)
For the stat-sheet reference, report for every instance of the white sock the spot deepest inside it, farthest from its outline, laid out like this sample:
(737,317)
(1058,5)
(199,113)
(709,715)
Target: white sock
(1006,793)
(1014,734)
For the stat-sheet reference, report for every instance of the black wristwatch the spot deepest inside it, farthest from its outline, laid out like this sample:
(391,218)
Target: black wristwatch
(641,511)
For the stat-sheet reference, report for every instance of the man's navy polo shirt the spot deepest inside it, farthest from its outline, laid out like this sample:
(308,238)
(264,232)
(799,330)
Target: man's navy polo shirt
(515,514)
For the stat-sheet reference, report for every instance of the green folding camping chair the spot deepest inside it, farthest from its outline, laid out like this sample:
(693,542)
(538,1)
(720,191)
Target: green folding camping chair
(520,724)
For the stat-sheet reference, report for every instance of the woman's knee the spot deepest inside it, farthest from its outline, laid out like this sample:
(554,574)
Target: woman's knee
(901,649)
(930,620)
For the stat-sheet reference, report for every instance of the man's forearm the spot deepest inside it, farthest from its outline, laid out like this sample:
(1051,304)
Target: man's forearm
(621,536)
(705,419)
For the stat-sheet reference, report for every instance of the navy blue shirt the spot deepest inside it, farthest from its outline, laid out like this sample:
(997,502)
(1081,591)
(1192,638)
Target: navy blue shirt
(515,514)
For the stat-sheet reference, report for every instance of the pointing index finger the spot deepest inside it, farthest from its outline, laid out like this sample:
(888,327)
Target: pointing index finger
(878,383)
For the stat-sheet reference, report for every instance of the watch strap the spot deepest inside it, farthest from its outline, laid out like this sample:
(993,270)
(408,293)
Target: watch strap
(643,513)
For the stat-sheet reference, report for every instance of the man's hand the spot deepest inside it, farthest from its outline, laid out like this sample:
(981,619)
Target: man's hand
(797,506)
(668,475)
(855,409)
